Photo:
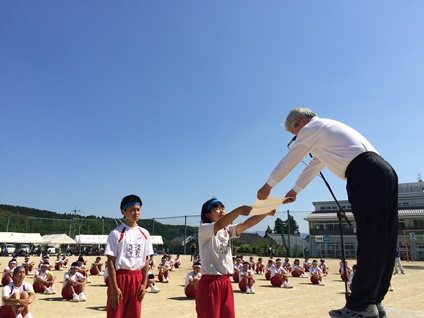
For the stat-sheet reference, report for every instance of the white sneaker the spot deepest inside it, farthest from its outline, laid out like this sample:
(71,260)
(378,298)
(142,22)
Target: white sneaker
(248,290)
(304,276)
(155,289)
(88,280)
(48,291)
(287,285)
(19,316)
(252,291)
(28,315)
(391,288)
(75,298)
(52,290)
(82,297)
(321,283)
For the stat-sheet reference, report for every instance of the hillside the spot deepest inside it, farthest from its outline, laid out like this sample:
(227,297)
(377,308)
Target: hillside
(29,220)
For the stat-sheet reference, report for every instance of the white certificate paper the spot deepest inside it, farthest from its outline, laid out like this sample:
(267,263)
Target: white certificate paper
(266,206)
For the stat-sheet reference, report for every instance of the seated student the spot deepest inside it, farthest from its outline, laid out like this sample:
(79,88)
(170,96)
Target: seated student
(307,264)
(170,262)
(44,280)
(65,261)
(252,263)
(279,276)
(237,267)
(260,266)
(58,264)
(83,269)
(268,269)
(73,286)
(29,265)
(342,271)
(44,258)
(192,279)
(298,270)
(152,262)
(316,274)
(17,296)
(287,265)
(96,267)
(151,282)
(177,262)
(247,279)
(164,267)
(8,272)
(353,274)
(324,267)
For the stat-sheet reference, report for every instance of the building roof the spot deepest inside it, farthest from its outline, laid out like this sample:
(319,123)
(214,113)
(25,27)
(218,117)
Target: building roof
(251,238)
(294,240)
(325,216)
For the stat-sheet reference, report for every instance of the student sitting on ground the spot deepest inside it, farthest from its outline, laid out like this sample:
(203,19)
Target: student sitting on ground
(44,280)
(279,276)
(58,264)
(29,265)
(192,279)
(152,262)
(151,283)
(316,274)
(74,284)
(307,264)
(252,263)
(268,269)
(17,296)
(8,272)
(324,267)
(287,265)
(298,270)
(237,267)
(164,268)
(96,267)
(342,271)
(247,279)
(177,262)
(260,266)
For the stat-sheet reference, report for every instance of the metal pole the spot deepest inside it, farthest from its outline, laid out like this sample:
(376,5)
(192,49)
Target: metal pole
(185,233)
(153,227)
(288,233)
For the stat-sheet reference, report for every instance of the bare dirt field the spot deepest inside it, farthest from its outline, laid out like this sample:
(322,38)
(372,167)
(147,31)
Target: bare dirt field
(304,300)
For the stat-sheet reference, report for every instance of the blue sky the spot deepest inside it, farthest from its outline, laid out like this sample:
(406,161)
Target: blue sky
(179,101)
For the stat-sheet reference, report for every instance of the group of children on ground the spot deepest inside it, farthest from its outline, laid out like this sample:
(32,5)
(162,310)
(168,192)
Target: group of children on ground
(17,295)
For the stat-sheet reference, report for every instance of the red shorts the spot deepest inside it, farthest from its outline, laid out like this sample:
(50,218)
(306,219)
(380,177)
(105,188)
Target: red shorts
(190,291)
(66,293)
(268,275)
(276,281)
(38,288)
(214,297)
(314,280)
(7,312)
(242,285)
(236,277)
(162,276)
(94,271)
(5,280)
(176,265)
(129,283)
(295,274)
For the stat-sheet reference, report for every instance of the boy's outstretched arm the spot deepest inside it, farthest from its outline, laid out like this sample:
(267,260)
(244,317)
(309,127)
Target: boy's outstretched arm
(230,217)
(241,227)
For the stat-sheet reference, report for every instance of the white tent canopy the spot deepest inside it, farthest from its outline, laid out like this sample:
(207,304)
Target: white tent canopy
(91,239)
(13,237)
(102,239)
(58,239)
(156,239)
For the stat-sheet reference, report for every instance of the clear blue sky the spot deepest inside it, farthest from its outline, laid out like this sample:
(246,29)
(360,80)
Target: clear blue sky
(179,101)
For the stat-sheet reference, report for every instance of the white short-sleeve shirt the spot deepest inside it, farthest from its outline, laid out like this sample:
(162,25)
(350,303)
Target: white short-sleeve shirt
(130,245)
(215,249)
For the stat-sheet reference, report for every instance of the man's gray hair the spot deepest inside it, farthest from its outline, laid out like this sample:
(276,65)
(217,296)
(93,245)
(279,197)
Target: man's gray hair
(302,112)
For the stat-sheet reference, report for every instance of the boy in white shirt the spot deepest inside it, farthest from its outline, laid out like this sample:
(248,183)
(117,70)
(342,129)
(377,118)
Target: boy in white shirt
(192,280)
(247,279)
(279,276)
(127,250)
(74,284)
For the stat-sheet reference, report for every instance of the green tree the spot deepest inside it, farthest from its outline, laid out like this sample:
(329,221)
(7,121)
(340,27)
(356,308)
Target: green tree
(278,227)
(268,230)
(294,227)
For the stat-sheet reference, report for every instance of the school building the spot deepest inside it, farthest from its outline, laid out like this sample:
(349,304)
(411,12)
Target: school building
(324,228)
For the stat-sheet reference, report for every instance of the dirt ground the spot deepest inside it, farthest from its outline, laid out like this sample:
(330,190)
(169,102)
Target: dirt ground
(304,300)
